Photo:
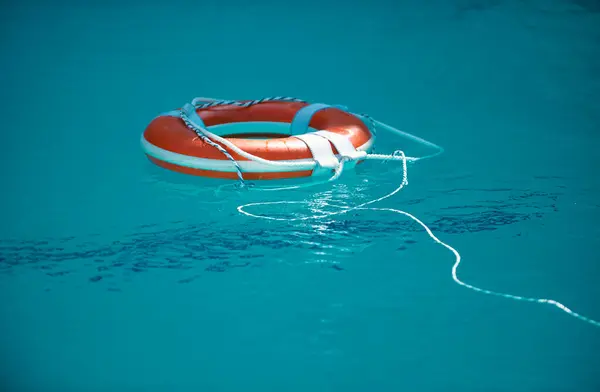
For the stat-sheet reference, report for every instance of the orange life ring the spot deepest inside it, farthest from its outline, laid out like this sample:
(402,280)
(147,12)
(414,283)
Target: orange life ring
(262,130)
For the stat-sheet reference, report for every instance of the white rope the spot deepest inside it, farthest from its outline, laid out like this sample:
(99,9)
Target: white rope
(397,156)
(344,210)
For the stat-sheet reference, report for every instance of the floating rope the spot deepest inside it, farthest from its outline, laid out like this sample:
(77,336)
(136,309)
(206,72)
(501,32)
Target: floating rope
(396,156)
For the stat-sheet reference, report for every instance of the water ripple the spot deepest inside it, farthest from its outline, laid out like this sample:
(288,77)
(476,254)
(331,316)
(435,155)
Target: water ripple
(193,250)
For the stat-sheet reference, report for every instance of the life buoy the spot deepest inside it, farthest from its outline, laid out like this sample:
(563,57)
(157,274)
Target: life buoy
(306,139)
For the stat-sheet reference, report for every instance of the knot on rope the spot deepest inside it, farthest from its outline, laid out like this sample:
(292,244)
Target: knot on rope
(398,154)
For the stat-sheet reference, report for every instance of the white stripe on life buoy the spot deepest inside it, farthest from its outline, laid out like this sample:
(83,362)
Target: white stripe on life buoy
(228,166)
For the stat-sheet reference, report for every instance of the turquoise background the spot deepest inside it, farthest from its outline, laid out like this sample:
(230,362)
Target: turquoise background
(118,276)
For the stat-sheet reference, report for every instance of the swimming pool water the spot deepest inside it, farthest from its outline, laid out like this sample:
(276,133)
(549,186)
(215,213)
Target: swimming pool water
(118,276)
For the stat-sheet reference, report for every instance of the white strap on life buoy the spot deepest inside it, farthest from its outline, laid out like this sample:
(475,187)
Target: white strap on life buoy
(344,147)
(320,143)
(322,153)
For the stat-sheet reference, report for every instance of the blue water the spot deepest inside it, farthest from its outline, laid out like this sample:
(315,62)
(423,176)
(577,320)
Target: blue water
(118,276)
